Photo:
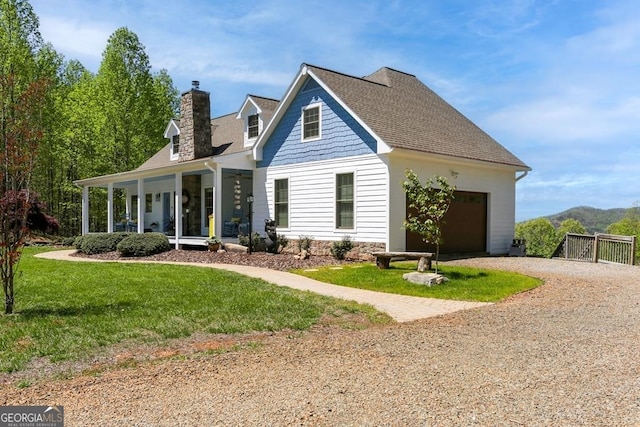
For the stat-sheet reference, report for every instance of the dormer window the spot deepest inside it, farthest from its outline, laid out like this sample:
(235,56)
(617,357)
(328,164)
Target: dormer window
(253,126)
(172,133)
(175,146)
(311,122)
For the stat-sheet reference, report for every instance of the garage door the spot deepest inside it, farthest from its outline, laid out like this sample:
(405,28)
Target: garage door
(465,230)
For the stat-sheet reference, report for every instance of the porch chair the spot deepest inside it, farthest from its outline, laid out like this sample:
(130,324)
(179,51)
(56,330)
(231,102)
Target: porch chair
(231,227)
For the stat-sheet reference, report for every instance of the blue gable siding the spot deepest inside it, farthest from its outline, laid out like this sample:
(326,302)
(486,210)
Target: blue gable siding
(342,135)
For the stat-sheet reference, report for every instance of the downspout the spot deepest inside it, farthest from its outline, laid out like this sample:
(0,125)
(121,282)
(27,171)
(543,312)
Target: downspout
(518,178)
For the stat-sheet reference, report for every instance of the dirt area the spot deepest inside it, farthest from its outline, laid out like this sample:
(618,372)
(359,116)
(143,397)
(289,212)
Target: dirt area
(564,354)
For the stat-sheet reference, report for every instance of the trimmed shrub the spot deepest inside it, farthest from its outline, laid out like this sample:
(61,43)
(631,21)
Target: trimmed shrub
(339,249)
(69,241)
(304,243)
(257,242)
(143,244)
(283,242)
(77,242)
(98,243)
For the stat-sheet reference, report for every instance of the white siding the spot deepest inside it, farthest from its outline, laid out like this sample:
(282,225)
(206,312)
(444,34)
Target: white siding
(312,198)
(498,182)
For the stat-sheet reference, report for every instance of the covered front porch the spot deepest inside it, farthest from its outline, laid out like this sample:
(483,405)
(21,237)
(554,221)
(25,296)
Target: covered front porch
(188,202)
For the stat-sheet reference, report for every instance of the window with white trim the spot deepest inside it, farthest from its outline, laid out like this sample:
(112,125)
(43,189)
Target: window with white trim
(133,215)
(311,120)
(175,145)
(281,202)
(208,203)
(344,200)
(253,126)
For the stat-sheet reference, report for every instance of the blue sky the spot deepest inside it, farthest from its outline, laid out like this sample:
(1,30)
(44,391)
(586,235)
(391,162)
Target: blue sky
(554,81)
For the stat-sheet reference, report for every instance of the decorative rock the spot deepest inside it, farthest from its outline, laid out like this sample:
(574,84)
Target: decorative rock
(303,255)
(424,264)
(428,279)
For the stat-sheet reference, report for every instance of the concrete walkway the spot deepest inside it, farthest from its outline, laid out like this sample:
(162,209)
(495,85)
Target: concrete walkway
(402,308)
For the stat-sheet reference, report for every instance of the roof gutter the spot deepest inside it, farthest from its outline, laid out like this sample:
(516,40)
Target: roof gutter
(525,173)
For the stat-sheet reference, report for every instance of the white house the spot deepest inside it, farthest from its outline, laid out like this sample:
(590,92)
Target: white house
(327,160)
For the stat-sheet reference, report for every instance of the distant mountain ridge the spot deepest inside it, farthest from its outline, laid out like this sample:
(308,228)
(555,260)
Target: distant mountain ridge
(594,220)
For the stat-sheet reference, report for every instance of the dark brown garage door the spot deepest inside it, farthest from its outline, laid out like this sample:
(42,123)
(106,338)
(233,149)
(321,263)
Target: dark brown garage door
(465,230)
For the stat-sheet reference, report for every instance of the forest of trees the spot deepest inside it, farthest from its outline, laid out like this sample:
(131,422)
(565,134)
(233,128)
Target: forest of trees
(594,220)
(91,123)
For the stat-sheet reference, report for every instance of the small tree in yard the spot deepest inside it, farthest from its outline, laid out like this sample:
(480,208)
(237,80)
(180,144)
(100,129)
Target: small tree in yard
(20,214)
(431,202)
(20,210)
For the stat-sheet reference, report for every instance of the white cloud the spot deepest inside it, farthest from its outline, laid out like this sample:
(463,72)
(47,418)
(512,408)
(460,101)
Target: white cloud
(569,119)
(582,93)
(86,39)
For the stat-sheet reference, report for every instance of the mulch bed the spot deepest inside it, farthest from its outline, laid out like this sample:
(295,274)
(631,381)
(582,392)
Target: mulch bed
(283,262)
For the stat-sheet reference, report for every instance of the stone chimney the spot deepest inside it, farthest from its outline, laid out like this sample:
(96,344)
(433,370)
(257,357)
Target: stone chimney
(195,124)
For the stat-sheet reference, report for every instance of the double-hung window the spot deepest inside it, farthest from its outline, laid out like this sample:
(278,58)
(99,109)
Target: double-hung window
(311,121)
(252,126)
(281,202)
(344,200)
(208,203)
(175,145)
(148,203)
(133,215)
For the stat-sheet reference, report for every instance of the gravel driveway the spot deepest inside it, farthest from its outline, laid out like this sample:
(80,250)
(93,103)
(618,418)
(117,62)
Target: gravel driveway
(566,353)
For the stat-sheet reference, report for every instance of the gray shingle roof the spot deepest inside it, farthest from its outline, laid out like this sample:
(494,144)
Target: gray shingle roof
(398,107)
(227,135)
(406,114)
(267,105)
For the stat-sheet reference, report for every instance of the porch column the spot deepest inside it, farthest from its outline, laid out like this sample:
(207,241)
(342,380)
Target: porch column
(110,207)
(177,207)
(214,211)
(85,210)
(141,206)
(214,202)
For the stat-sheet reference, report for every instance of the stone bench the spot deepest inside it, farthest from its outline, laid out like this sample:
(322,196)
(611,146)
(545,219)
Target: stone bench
(384,258)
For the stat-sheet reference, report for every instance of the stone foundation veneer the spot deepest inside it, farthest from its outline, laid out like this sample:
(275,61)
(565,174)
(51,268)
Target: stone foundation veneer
(361,250)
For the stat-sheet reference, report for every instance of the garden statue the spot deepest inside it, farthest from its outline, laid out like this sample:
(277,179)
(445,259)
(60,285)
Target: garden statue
(272,238)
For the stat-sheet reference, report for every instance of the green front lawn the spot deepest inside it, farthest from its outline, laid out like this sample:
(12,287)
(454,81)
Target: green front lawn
(465,284)
(71,311)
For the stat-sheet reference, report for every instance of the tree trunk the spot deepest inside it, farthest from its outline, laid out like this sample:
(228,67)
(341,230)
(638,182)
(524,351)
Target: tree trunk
(8,303)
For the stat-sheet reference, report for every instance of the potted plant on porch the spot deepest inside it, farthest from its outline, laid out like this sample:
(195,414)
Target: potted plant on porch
(213,243)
